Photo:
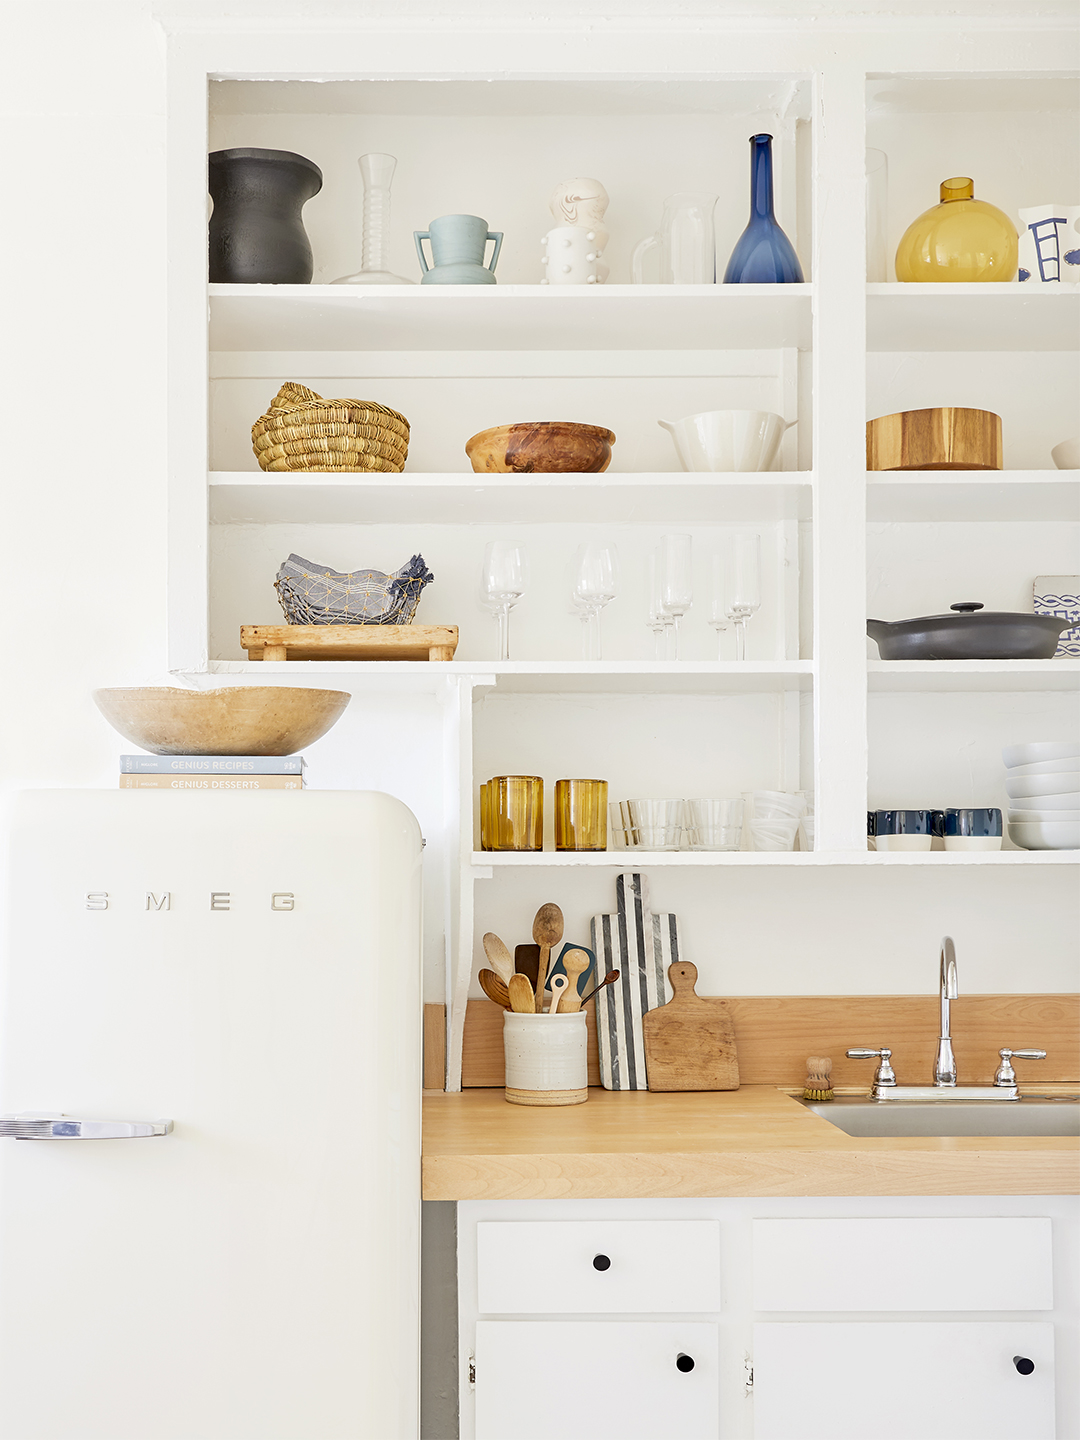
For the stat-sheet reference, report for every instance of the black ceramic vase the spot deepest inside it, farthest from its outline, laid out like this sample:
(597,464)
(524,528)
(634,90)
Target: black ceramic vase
(257,234)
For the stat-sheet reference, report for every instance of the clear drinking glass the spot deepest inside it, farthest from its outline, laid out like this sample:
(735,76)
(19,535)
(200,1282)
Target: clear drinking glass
(718,616)
(618,825)
(517,812)
(676,580)
(714,824)
(774,834)
(581,814)
(377,171)
(596,575)
(657,824)
(502,584)
(686,240)
(742,585)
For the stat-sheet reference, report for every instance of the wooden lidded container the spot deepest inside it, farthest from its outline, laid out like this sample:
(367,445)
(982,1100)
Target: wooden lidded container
(946,438)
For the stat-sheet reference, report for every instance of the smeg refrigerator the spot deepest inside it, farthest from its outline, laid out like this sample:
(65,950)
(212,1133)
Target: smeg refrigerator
(210,1083)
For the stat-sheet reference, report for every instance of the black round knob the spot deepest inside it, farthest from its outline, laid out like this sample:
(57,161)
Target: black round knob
(601,1262)
(685,1363)
(1023,1364)
(966,607)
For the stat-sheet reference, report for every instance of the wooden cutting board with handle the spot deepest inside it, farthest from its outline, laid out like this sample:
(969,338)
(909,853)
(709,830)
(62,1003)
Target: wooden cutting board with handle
(690,1041)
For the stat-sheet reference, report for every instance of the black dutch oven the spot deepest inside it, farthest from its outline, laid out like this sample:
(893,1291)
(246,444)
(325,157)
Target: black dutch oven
(968,633)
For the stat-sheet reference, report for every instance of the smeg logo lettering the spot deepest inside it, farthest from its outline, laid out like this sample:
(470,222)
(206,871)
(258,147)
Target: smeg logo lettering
(218,900)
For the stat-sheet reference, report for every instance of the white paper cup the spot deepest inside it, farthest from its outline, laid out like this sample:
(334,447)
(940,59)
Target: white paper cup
(546,1058)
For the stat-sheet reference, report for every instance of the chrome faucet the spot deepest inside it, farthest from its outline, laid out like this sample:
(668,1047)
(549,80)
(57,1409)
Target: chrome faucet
(945,1060)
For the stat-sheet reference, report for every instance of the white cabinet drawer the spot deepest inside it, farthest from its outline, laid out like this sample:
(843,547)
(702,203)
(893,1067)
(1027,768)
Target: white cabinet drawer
(596,1267)
(903,1264)
(596,1380)
(908,1381)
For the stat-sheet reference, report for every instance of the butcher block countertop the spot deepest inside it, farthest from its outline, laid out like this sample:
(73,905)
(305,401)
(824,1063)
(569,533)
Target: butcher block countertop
(753,1141)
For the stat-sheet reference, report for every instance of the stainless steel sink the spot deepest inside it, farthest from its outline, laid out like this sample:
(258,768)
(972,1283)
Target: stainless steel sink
(1031,1115)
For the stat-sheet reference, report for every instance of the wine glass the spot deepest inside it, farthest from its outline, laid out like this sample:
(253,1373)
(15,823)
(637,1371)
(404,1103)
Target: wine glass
(676,580)
(596,574)
(659,621)
(742,588)
(502,584)
(718,616)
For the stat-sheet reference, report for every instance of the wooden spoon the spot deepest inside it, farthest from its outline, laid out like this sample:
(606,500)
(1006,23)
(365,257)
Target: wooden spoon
(547,931)
(558,984)
(575,963)
(498,957)
(494,988)
(522,999)
(609,979)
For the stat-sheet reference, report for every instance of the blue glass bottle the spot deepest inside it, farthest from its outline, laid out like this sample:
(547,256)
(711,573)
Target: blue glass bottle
(763,254)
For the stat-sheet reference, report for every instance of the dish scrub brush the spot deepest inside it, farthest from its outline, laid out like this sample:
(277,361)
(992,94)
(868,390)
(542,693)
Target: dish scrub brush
(818,1078)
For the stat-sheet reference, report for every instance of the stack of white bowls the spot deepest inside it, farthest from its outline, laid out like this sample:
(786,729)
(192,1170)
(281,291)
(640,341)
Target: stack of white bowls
(1043,784)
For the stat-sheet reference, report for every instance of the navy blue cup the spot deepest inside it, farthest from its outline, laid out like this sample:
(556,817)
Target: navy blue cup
(963,821)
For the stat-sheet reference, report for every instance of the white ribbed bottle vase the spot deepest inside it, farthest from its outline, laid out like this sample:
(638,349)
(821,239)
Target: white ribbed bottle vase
(376,171)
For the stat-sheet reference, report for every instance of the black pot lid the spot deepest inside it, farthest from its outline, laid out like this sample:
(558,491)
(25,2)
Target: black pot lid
(965,612)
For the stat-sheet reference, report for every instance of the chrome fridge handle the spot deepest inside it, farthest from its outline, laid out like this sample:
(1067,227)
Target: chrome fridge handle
(63,1127)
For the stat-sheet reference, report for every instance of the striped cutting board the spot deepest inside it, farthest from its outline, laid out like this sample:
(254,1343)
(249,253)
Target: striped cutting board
(641,946)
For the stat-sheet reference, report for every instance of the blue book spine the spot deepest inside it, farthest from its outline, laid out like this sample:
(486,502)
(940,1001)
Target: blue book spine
(211,764)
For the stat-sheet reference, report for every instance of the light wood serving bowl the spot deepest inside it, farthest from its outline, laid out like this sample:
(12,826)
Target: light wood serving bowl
(946,438)
(552,447)
(239,720)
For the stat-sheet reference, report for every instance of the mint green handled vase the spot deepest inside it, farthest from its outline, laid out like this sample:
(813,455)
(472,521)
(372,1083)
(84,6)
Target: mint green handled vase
(458,243)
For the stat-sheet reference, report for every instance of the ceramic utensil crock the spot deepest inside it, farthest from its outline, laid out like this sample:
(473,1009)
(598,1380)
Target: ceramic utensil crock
(545,1059)
(970,633)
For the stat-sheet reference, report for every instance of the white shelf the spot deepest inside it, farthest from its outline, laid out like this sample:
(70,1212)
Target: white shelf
(539,677)
(509,317)
(255,498)
(991,316)
(931,495)
(639,859)
(905,676)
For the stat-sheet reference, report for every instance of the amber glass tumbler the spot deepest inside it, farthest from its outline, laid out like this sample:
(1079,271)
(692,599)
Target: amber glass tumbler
(581,814)
(486,824)
(517,812)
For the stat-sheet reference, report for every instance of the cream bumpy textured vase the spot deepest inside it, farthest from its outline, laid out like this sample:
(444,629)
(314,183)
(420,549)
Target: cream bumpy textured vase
(574,250)
(960,239)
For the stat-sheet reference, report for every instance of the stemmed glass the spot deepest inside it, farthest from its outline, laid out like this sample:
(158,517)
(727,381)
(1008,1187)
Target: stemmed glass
(676,580)
(596,575)
(742,588)
(659,621)
(718,616)
(502,584)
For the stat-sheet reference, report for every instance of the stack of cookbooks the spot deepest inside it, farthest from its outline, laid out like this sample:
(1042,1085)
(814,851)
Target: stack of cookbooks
(211,772)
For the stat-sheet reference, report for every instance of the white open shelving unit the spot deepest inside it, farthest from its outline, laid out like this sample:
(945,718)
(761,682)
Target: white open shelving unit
(649,114)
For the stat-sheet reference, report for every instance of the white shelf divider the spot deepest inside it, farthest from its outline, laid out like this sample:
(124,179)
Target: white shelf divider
(921,676)
(973,316)
(918,496)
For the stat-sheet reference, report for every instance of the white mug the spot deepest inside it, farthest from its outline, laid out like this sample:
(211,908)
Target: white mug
(715,440)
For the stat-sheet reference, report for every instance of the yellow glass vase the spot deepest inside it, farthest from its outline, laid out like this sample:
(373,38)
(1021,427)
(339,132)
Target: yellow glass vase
(960,239)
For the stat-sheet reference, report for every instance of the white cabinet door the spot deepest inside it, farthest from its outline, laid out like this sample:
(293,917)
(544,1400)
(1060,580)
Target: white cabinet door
(609,1380)
(915,1381)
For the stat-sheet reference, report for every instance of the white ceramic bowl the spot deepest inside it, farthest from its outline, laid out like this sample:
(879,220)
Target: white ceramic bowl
(1066,456)
(727,439)
(1046,835)
(1046,767)
(1063,784)
(1040,817)
(1067,800)
(1040,750)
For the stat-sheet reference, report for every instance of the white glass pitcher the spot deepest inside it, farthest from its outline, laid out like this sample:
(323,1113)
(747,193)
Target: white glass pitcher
(687,242)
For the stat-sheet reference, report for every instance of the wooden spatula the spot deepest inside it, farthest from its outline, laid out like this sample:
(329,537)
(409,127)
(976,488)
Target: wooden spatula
(522,998)
(494,988)
(527,961)
(498,957)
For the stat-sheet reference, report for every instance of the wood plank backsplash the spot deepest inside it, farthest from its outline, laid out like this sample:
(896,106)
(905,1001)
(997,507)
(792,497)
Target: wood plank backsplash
(775,1033)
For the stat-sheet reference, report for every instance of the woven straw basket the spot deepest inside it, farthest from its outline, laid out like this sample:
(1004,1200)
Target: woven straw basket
(302,431)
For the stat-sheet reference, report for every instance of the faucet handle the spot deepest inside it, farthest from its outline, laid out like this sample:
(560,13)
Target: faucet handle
(884,1074)
(1006,1075)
